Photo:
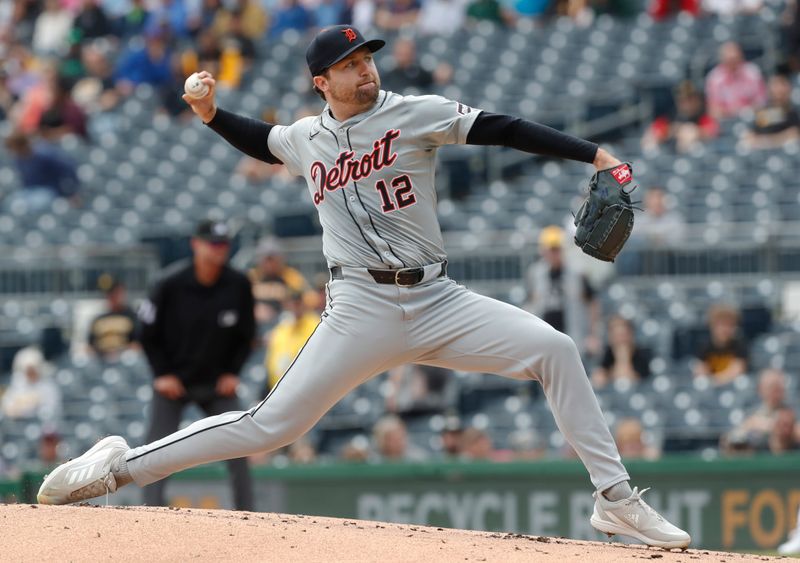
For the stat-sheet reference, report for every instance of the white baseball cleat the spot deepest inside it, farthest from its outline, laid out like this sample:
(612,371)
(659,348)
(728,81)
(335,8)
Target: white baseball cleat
(792,545)
(635,518)
(84,477)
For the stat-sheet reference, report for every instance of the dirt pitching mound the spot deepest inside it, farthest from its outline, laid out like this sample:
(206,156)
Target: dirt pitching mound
(89,533)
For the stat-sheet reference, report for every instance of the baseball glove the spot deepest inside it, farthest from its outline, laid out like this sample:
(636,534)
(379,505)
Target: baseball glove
(605,220)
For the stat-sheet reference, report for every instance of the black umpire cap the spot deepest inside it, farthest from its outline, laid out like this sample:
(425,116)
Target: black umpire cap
(334,43)
(213,231)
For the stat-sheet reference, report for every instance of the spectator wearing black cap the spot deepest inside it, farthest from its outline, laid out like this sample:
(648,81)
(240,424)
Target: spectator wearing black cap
(113,331)
(197,332)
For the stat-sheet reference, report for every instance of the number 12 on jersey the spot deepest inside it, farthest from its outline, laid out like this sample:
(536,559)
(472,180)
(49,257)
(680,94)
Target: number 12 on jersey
(403,196)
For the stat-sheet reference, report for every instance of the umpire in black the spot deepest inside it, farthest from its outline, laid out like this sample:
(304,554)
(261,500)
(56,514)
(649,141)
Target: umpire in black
(197,332)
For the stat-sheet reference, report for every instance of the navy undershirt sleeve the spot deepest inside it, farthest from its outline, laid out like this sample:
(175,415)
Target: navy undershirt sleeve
(248,135)
(528,136)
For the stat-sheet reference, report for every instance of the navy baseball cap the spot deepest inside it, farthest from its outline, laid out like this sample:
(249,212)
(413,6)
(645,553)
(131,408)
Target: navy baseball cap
(334,43)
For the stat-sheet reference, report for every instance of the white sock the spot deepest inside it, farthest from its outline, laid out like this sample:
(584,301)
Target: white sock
(618,492)
(119,467)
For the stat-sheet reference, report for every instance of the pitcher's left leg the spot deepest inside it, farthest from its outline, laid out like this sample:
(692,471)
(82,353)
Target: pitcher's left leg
(471,332)
(238,468)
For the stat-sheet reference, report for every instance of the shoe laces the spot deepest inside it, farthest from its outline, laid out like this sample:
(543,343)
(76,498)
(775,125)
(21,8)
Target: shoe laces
(636,498)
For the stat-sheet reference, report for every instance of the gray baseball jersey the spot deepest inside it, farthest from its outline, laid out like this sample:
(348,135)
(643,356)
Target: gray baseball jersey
(371,178)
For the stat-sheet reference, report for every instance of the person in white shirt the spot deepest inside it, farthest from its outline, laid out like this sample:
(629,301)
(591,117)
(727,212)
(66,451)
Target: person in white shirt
(31,393)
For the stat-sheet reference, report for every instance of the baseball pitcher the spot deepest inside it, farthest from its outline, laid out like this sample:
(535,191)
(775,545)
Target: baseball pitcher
(368,160)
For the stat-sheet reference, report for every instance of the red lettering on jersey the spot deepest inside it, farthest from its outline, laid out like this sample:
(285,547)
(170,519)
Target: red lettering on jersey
(347,167)
(350,34)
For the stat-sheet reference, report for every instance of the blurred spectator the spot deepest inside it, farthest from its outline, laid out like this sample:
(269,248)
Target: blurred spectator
(273,281)
(476,445)
(148,65)
(451,437)
(562,296)
(783,438)
(45,171)
(355,451)
(724,357)
(754,432)
(396,14)
(363,13)
(734,84)
(176,18)
(114,331)
(32,393)
(792,544)
(414,389)
(490,10)
(232,62)
(623,358)
(790,23)
(527,444)
(658,224)
(96,92)
(408,73)
(24,70)
(297,323)
(579,11)
(690,125)
(23,19)
(291,14)
(778,122)
(203,54)
(331,12)
(732,7)
(442,17)
(71,63)
(661,9)
(238,34)
(391,441)
(302,452)
(630,441)
(247,19)
(92,21)
(36,98)
(52,29)
(134,20)
(64,116)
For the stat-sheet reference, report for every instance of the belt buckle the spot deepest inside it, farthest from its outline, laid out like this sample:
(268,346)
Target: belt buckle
(400,271)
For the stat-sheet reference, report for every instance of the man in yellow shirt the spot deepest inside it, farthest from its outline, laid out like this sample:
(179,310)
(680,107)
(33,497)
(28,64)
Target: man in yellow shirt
(273,281)
(285,341)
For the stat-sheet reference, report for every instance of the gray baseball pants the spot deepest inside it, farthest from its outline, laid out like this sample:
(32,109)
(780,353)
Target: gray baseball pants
(165,418)
(368,328)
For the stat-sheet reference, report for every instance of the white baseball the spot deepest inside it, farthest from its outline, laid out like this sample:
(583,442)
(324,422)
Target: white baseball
(194,87)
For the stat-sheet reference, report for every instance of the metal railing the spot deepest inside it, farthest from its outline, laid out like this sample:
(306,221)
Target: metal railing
(496,262)
(72,271)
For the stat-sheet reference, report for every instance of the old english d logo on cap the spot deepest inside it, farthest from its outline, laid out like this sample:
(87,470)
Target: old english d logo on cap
(333,44)
(350,34)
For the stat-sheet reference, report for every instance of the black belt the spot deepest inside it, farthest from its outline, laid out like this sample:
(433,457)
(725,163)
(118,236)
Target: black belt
(404,276)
